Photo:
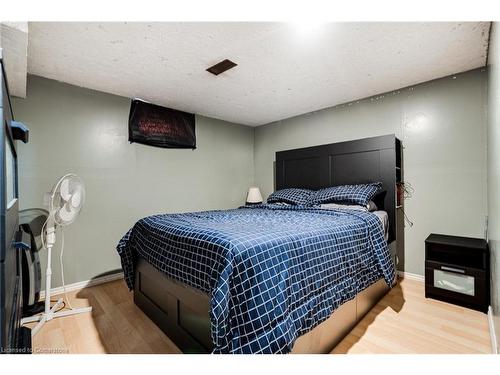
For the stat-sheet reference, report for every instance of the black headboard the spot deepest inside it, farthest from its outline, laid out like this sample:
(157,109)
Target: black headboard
(352,162)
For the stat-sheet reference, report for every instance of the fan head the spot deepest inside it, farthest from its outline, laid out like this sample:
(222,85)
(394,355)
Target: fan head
(67,198)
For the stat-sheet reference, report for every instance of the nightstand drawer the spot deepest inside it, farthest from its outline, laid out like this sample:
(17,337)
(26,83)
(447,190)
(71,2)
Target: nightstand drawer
(453,281)
(460,285)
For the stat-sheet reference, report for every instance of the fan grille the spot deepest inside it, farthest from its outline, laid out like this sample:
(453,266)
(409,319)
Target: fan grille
(67,199)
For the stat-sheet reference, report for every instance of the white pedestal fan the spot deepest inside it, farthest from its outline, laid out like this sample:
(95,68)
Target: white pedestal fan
(65,202)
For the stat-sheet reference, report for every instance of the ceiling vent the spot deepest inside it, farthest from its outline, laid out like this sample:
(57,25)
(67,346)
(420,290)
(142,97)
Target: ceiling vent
(221,67)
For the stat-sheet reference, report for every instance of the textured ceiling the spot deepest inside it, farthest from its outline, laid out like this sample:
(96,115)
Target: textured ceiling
(283,69)
(14,44)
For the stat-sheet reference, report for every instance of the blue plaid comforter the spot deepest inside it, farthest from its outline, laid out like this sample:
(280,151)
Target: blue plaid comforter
(273,272)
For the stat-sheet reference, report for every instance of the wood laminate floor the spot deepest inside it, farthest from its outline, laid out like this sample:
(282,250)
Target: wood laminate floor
(404,321)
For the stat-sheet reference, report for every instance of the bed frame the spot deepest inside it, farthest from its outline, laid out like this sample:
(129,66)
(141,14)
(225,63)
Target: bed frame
(182,312)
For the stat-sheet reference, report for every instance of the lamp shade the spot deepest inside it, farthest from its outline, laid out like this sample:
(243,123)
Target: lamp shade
(254,195)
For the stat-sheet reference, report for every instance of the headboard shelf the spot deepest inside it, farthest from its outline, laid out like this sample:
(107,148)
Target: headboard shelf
(351,162)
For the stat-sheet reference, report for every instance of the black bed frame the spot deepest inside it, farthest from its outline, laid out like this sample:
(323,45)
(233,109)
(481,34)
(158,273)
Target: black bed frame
(182,312)
(351,162)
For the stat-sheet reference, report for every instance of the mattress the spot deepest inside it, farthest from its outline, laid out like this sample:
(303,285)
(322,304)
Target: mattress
(272,272)
(384,219)
(382,215)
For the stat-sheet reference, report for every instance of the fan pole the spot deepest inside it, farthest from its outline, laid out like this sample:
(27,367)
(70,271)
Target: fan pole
(48,272)
(50,313)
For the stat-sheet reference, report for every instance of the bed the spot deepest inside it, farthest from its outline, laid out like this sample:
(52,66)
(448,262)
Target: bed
(270,278)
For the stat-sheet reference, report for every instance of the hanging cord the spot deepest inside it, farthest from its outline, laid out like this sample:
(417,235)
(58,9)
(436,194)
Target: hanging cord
(43,234)
(62,268)
(407,190)
(407,194)
(407,219)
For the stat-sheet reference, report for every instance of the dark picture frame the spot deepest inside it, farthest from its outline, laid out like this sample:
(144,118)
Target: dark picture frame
(153,125)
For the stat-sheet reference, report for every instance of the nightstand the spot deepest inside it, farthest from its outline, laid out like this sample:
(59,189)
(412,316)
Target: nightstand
(457,271)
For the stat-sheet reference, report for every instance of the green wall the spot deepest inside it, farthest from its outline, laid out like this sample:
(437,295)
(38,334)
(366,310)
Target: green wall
(442,124)
(83,131)
(494,172)
(443,127)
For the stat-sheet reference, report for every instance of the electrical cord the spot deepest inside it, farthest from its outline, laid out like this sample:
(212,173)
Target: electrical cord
(407,190)
(60,308)
(44,245)
(62,268)
(407,194)
(42,237)
(407,219)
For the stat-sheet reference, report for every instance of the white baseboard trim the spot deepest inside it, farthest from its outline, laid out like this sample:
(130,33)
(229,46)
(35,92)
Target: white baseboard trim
(493,335)
(411,276)
(84,284)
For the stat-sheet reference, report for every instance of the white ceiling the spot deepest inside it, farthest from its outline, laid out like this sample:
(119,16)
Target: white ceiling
(14,45)
(283,69)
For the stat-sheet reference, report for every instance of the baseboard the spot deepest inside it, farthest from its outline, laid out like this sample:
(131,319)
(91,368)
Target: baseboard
(493,335)
(411,276)
(84,284)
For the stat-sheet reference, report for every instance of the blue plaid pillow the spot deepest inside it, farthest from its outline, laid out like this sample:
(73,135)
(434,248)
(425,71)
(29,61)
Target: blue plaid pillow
(354,194)
(291,196)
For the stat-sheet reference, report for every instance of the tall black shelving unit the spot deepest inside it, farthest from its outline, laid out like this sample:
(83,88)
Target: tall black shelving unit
(13,337)
(400,245)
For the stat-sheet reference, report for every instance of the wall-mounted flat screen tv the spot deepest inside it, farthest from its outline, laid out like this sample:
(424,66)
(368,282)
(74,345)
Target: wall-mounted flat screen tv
(158,126)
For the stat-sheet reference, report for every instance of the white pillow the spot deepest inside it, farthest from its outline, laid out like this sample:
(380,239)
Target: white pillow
(370,207)
(336,206)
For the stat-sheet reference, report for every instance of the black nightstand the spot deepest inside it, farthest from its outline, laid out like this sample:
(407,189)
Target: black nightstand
(457,271)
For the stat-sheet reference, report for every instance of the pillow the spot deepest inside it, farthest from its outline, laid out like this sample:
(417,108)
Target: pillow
(372,206)
(336,206)
(291,196)
(349,194)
